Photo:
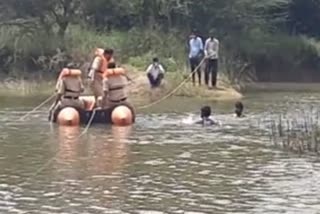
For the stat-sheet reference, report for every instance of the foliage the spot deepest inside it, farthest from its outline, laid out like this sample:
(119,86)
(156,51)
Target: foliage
(260,39)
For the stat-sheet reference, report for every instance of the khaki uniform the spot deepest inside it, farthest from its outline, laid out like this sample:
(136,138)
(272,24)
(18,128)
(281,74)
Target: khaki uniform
(115,93)
(115,89)
(70,88)
(95,76)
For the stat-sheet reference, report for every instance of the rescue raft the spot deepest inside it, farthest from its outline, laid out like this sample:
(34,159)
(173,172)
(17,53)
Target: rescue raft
(121,114)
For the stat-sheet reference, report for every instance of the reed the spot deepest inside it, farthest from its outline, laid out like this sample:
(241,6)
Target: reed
(300,135)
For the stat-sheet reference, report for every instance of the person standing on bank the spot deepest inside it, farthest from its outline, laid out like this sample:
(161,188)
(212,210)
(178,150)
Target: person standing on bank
(155,73)
(211,51)
(195,55)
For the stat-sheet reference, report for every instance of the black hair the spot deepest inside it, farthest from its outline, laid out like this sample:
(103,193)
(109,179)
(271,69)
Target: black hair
(155,59)
(239,108)
(205,111)
(111,65)
(108,51)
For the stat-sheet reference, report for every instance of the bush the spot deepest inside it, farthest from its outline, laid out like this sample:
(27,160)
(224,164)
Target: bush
(40,52)
(275,56)
(253,54)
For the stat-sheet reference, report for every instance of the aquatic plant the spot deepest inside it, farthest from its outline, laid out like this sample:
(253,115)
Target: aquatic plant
(300,134)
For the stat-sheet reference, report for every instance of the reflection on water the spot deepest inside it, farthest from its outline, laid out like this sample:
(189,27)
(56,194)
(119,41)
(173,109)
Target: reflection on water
(163,164)
(68,145)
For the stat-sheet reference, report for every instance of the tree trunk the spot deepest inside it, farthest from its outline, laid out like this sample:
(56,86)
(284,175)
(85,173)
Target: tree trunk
(62,29)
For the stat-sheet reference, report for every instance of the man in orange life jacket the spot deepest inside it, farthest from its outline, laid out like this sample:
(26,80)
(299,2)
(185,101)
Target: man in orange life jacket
(115,81)
(98,67)
(68,89)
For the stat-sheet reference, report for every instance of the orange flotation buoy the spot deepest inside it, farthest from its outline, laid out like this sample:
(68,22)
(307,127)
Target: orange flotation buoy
(68,117)
(122,116)
(114,72)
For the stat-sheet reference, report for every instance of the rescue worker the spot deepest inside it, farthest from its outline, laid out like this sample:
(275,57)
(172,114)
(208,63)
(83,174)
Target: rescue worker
(115,81)
(205,117)
(68,89)
(97,68)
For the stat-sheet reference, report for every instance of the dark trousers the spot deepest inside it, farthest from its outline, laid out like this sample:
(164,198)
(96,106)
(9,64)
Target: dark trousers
(155,82)
(211,70)
(194,63)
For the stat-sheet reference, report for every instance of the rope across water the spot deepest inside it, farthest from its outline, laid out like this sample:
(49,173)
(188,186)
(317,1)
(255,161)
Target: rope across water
(172,92)
(87,127)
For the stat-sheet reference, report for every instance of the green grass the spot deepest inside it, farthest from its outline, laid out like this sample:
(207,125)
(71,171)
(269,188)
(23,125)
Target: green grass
(35,51)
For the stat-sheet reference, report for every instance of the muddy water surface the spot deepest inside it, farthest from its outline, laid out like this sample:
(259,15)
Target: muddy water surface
(163,164)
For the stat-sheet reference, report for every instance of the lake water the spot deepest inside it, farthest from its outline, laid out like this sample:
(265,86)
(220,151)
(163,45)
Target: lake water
(162,164)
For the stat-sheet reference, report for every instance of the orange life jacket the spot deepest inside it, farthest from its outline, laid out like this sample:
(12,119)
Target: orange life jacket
(69,72)
(103,65)
(66,72)
(114,72)
(115,81)
(99,52)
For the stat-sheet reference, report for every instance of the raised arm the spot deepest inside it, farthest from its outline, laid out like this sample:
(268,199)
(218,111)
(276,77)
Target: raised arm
(94,67)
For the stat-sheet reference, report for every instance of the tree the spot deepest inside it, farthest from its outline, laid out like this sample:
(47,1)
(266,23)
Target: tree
(48,15)
(304,17)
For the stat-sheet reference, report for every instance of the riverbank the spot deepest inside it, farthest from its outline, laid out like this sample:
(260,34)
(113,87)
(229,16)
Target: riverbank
(139,89)
(281,86)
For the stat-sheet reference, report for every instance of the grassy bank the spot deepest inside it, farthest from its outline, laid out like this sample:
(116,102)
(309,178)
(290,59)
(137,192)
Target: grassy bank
(177,83)
(138,90)
(242,60)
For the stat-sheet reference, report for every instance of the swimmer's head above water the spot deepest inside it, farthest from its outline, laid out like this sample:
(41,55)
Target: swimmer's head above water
(205,116)
(205,112)
(239,109)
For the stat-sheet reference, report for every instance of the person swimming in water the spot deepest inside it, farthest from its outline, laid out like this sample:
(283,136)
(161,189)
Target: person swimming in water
(205,117)
(239,109)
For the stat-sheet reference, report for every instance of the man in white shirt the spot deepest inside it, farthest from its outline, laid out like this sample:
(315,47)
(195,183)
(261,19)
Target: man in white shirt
(211,51)
(195,55)
(155,73)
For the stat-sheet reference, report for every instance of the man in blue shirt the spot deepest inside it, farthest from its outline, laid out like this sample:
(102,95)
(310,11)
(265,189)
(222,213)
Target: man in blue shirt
(195,55)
